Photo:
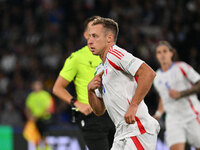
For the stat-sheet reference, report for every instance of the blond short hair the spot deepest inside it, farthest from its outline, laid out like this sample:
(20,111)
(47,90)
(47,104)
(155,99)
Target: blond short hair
(109,24)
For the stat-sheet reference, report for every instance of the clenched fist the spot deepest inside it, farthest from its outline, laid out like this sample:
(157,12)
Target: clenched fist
(95,82)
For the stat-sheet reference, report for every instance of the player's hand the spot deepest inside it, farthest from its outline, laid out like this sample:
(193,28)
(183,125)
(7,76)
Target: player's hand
(174,94)
(83,108)
(130,114)
(95,82)
(157,115)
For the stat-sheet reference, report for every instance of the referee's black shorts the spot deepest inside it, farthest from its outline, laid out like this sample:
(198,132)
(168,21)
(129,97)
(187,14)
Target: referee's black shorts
(98,132)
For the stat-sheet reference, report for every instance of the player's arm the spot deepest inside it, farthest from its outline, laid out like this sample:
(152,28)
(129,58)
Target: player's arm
(96,103)
(179,94)
(145,79)
(60,91)
(160,110)
(194,90)
(192,76)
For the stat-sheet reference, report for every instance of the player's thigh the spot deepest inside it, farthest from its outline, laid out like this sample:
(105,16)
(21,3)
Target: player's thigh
(141,142)
(193,133)
(175,133)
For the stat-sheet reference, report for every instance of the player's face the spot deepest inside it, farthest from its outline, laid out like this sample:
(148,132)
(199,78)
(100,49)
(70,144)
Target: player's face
(37,86)
(97,41)
(163,54)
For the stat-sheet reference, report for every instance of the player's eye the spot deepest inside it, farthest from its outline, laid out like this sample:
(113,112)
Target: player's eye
(157,52)
(165,51)
(94,36)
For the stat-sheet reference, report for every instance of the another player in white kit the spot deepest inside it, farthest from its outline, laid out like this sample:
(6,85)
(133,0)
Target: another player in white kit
(121,83)
(177,84)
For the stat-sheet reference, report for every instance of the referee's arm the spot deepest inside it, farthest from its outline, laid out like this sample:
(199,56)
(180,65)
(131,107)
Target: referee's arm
(60,91)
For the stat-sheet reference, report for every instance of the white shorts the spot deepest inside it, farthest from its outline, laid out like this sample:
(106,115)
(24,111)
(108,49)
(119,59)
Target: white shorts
(176,132)
(145,141)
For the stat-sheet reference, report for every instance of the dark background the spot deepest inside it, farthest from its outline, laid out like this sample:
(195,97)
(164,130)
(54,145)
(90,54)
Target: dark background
(36,36)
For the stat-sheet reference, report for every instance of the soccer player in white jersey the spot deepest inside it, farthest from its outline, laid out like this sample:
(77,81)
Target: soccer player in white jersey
(120,84)
(177,84)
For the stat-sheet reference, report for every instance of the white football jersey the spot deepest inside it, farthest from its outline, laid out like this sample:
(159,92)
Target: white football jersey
(179,77)
(118,88)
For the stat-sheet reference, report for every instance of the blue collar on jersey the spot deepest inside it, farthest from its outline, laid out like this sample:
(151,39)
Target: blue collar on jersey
(169,67)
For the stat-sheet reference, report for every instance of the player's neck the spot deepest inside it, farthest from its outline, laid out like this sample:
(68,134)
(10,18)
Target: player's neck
(166,66)
(103,56)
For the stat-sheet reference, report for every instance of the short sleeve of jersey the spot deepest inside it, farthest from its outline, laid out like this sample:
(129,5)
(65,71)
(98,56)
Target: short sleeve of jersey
(130,64)
(191,74)
(69,69)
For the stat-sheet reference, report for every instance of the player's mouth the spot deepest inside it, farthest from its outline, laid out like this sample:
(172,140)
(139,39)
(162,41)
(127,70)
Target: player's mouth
(92,49)
(163,58)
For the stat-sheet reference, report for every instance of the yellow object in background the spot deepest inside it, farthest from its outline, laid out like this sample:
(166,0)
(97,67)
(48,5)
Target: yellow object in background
(31,132)
(39,104)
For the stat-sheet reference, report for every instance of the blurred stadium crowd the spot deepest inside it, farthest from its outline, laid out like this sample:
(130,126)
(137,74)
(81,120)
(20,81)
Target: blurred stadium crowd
(36,36)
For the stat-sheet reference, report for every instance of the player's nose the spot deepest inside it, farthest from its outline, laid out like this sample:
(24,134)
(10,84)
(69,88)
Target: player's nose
(89,41)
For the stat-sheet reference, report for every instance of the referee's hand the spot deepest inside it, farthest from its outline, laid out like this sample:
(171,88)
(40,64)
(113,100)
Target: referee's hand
(95,82)
(83,108)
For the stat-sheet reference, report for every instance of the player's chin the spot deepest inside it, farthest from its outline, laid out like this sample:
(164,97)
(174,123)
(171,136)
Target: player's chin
(92,50)
(162,62)
(94,53)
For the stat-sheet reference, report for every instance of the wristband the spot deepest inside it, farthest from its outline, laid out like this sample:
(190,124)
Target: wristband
(158,114)
(73,100)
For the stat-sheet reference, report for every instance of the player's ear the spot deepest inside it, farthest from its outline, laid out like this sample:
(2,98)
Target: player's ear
(109,38)
(85,34)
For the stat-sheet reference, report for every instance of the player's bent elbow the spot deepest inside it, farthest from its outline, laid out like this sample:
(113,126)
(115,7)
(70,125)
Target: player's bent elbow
(54,90)
(99,113)
(152,74)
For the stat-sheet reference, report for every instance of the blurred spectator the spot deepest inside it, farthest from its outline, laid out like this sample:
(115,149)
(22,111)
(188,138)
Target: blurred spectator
(194,58)
(52,58)
(9,115)
(4,82)
(8,62)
